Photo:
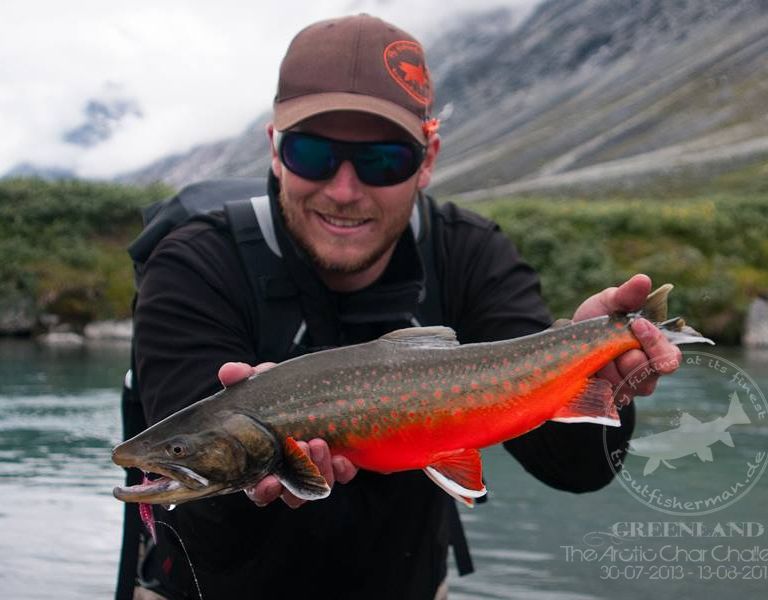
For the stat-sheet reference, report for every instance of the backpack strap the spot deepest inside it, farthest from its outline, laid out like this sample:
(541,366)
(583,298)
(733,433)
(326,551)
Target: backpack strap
(276,295)
(431,304)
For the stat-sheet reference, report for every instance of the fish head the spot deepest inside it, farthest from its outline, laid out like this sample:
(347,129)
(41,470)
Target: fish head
(197,458)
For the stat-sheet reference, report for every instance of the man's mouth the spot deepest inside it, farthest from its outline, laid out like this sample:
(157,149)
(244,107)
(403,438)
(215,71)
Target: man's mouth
(345,222)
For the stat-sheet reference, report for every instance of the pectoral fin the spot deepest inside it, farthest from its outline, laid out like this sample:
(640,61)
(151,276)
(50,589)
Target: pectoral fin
(651,466)
(300,475)
(460,474)
(594,405)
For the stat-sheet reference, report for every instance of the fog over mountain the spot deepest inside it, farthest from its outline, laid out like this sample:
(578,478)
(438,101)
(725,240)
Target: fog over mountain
(581,91)
(101,118)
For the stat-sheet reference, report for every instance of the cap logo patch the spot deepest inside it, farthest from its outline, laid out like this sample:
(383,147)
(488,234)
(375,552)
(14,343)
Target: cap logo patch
(405,62)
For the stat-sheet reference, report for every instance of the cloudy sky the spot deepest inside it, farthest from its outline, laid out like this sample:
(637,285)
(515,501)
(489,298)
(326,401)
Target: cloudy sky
(195,70)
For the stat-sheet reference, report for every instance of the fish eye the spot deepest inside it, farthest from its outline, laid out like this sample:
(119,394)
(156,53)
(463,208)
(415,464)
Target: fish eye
(176,450)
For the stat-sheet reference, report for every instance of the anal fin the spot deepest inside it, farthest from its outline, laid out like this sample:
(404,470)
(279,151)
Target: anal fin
(594,404)
(300,475)
(460,474)
(705,454)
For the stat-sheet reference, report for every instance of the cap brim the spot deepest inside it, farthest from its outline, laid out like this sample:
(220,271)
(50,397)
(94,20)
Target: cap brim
(289,113)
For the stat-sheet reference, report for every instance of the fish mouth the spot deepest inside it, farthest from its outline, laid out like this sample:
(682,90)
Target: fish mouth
(168,484)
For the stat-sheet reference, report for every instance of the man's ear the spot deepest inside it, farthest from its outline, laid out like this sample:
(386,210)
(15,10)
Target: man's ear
(277,166)
(425,171)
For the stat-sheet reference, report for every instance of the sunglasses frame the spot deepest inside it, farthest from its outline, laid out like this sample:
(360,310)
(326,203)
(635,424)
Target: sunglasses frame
(346,151)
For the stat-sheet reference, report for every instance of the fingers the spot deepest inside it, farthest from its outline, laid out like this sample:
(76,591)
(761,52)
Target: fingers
(332,468)
(265,491)
(629,296)
(321,456)
(636,372)
(343,469)
(663,356)
(232,372)
(638,377)
(611,373)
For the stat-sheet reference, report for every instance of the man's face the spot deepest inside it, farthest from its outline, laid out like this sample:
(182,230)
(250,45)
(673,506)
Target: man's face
(347,227)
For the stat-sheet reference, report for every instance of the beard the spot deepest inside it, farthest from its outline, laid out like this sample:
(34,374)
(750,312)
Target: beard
(329,261)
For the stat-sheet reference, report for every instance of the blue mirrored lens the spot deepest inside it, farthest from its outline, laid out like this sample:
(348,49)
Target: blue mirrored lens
(309,157)
(376,163)
(382,164)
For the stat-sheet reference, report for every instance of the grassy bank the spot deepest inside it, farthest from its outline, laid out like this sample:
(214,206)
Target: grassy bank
(62,247)
(713,248)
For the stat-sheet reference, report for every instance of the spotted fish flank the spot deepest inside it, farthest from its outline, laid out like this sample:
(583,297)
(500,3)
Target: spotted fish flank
(413,399)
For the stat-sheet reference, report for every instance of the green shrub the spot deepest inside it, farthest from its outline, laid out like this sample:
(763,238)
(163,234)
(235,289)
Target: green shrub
(714,249)
(63,244)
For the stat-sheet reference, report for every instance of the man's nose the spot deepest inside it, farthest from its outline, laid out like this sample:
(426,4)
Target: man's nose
(344,186)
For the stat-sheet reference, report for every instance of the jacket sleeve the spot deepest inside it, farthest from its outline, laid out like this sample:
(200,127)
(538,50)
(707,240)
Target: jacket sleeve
(494,295)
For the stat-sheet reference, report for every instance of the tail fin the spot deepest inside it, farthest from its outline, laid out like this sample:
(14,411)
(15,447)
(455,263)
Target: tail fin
(675,329)
(736,414)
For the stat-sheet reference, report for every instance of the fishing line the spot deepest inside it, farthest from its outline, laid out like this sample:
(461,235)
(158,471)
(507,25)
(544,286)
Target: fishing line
(189,560)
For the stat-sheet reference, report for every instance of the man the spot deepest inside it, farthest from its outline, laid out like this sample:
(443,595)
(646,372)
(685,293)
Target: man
(362,252)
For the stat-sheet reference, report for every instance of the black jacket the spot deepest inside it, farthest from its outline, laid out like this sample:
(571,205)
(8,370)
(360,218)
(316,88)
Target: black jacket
(378,536)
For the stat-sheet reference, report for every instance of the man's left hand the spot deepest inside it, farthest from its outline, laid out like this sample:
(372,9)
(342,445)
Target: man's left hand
(662,356)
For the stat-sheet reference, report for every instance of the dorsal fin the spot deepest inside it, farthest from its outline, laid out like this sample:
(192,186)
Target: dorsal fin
(655,307)
(423,337)
(688,421)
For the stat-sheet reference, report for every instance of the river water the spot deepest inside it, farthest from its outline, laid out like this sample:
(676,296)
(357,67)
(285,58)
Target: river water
(687,518)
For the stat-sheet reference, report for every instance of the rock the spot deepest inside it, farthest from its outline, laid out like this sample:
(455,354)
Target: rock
(61,339)
(756,326)
(49,321)
(17,314)
(109,330)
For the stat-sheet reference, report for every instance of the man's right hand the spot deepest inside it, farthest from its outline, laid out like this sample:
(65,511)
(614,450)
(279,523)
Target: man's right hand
(269,489)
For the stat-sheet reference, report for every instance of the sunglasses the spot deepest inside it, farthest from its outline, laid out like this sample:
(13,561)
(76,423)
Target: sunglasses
(376,163)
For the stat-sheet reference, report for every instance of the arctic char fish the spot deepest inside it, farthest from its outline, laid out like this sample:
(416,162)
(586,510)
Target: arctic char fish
(412,399)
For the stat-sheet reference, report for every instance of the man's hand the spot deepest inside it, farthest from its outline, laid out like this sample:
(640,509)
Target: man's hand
(269,489)
(662,356)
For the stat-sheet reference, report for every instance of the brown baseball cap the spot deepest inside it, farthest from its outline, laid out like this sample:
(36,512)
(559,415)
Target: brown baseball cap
(357,63)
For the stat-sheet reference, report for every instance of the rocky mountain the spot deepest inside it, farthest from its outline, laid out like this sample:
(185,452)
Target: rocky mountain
(101,117)
(582,91)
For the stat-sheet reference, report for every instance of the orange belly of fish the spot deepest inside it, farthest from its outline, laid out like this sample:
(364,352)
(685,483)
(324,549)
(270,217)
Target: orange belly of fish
(419,441)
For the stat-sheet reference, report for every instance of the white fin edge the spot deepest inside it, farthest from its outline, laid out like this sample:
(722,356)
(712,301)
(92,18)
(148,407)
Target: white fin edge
(453,488)
(597,420)
(301,494)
